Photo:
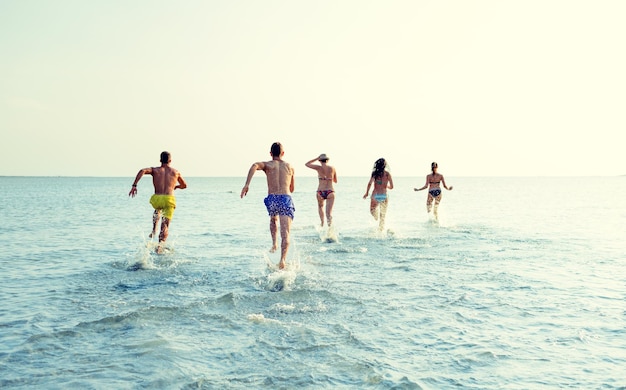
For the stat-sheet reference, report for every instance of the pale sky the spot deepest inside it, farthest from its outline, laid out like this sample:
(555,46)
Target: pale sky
(485,88)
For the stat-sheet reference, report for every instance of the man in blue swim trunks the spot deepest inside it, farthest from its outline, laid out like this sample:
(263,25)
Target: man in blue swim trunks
(280,185)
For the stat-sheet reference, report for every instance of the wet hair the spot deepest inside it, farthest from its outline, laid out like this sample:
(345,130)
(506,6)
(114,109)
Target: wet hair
(433,166)
(165,157)
(276,149)
(379,168)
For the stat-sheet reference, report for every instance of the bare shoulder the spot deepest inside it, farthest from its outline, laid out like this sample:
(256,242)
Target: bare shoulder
(285,165)
(260,165)
(172,171)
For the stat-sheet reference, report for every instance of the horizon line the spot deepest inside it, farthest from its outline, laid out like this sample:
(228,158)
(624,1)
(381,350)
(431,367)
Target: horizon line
(309,176)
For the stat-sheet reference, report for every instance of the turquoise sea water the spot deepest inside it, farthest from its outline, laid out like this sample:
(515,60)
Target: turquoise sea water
(521,284)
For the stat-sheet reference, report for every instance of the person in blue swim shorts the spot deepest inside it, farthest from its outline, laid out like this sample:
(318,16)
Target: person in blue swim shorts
(280,207)
(382,181)
(434,181)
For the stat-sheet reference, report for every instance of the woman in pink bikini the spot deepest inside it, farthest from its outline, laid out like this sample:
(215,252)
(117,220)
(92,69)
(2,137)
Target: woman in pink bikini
(325,192)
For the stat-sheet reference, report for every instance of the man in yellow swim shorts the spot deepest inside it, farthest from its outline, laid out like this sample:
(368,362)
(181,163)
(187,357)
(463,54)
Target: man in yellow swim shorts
(167,203)
(165,180)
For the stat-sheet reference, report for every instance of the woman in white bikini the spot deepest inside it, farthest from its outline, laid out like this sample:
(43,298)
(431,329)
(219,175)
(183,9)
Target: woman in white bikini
(325,191)
(433,182)
(382,181)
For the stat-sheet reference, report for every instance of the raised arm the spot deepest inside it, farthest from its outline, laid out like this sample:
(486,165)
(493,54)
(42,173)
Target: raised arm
(310,164)
(133,189)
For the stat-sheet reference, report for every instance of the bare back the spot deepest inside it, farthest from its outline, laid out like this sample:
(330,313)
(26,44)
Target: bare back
(165,179)
(382,183)
(433,180)
(279,177)
(326,177)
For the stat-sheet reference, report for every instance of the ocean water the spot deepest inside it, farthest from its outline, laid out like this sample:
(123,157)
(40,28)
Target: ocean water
(521,284)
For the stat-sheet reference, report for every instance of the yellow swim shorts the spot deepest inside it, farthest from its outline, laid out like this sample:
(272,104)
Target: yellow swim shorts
(167,203)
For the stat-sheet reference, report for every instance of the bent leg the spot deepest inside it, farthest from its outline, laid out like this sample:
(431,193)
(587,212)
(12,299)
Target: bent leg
(374,209)
(285,227)
(320,208)
(165,225)
(383,213)
(273,231)
(155,219)
(165,229)
(330,201)
(429,203)
(437,201)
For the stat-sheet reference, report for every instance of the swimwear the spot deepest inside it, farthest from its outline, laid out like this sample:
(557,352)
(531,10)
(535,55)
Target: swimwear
(167,203)
(379,197)
(325,178)
(434,192)
(279,205)
(324,193)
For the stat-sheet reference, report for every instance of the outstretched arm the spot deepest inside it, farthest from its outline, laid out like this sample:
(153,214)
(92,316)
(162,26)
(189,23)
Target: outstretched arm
(423,188)
(255,167)
(443,181)
(133,189)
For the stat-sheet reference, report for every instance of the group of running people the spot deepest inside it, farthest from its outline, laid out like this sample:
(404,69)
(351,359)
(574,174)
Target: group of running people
(280,185)
(381,180)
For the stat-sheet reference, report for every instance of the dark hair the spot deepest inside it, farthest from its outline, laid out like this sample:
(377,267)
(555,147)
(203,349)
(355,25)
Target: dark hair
(165,157)
(379,168)
(433,166)
(276,149)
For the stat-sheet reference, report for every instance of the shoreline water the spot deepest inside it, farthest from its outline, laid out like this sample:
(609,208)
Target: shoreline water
(518,285)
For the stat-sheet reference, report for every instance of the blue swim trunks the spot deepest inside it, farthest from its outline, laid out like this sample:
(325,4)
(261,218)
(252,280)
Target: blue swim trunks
(435,192)
(280,205)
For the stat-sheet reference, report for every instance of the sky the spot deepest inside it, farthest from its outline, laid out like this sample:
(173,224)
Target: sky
(484,88)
